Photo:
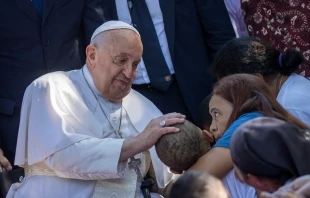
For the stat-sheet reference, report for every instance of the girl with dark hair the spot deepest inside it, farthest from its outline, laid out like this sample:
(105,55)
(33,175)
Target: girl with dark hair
(283,23)
(268,165)
(237,99)
(254,56)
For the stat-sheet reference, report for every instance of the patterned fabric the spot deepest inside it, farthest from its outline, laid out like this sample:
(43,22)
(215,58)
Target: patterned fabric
(283,23)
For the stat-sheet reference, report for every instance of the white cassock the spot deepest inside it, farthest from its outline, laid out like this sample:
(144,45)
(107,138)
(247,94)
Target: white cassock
(67,146)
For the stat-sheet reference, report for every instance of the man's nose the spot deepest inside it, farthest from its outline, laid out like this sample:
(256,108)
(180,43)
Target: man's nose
(128,71)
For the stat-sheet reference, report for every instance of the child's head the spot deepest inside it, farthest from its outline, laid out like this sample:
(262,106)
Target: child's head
(197,184)
(181,150)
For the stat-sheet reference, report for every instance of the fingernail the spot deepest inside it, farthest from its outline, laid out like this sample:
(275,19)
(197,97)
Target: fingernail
(178,130)
(9,168)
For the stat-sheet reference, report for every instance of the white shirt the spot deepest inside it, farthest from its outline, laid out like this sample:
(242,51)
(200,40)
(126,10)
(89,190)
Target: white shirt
(236,17)
(294,96)
(158,21)
(237,189)
(63,130)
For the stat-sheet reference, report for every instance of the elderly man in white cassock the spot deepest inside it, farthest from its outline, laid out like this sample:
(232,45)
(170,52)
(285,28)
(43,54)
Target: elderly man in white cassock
(86,133)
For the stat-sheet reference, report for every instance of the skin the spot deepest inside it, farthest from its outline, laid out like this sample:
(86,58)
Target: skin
(220,110)
(5,164)
(112,61)
(218,190)
(299,188)
(113,67)
(217,161)
(259,183)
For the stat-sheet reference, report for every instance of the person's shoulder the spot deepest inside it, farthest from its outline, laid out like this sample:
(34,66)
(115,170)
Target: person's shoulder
(141,100)
(298,83)
(295,89)
(224,141)
(51,78)
(250,115)
(242,119)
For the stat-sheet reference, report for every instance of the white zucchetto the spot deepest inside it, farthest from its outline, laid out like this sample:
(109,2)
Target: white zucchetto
(113,25)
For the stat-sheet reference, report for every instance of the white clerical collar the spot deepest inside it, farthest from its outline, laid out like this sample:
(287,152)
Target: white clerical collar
(90,81)
(92,85)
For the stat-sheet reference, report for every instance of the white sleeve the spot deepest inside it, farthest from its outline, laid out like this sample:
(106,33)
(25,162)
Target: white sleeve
(90,159)
(302,115)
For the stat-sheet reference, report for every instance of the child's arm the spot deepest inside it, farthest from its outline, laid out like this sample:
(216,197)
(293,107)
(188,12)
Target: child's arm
(217,162)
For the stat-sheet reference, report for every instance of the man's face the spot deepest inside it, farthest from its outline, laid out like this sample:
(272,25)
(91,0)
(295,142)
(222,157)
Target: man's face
(220,110)
(115,66)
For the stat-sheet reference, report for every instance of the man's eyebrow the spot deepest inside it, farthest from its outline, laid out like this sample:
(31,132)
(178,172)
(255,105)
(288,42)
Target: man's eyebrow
(117,55)
(138,61)
(122,54)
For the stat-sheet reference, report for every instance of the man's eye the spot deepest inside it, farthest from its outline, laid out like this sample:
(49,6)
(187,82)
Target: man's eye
(216,114)
(121,61)
(134,66)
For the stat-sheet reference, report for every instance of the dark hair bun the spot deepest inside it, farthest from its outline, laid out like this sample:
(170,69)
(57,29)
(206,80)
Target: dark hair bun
(291,60)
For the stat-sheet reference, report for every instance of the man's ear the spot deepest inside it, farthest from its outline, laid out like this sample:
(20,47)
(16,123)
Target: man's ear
(91,55)
(259,75)
(176,171)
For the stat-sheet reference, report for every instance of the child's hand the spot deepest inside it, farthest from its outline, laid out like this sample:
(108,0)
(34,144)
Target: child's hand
(209,136)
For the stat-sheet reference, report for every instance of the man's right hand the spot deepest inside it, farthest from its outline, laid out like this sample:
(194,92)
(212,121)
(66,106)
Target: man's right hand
(150,135)
(5,164)
(153,131)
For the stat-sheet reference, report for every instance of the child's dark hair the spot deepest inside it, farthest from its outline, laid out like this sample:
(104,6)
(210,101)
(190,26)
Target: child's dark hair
(252,55)
(181,150)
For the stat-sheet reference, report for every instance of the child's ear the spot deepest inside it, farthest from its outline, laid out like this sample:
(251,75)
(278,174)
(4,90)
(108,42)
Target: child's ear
(176,171)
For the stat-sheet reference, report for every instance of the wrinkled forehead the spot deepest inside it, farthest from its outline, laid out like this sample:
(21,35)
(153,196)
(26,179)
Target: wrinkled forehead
(119,35)
(121,40)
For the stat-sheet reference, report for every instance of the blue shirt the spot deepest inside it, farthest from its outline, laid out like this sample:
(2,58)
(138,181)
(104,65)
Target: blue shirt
(224,141)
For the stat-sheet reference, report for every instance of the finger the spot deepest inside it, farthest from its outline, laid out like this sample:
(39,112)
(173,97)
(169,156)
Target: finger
(166,130)
(5,163)
(282,194)
(173,121)
(299,182)
(304,190)
(173,115)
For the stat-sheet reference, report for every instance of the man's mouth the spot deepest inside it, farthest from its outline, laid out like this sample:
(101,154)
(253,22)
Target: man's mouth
(123,82)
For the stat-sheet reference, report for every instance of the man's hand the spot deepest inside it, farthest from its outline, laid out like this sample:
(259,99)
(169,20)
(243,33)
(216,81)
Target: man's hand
(154,130)
(150,135)
(302,185)
(5,164)
(299,188)
(279,194)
